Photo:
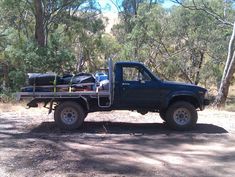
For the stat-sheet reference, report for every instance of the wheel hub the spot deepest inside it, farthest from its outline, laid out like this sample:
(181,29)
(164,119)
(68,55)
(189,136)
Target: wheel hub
(182,116)
(69,116)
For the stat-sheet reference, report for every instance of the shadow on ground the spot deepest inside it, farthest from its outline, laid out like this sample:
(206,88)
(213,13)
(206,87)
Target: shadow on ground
(114,149)
(125,128)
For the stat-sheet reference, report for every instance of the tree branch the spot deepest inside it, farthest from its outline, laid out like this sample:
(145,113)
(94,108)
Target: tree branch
(206,9)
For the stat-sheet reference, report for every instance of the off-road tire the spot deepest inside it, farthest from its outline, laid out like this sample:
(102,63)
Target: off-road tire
(69,115)
(181,116)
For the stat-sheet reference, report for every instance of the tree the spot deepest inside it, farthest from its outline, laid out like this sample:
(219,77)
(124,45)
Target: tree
(41,36)
(229,70)
(195,39)
(223,19)
(39,23)
(176,44)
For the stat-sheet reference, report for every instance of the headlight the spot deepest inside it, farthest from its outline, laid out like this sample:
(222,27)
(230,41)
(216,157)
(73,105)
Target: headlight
(203,94)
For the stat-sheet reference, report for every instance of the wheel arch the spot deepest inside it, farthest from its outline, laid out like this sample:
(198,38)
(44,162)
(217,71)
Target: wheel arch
(187,97)
(81,100)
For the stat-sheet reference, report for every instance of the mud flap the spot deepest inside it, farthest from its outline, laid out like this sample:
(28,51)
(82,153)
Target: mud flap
(32,104)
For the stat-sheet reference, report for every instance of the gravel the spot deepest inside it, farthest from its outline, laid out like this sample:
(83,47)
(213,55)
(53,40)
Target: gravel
(117,143)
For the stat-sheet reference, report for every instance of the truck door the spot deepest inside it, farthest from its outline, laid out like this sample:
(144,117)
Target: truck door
(138,89)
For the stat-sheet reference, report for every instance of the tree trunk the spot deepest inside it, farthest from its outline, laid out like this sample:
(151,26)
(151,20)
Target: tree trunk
(80,63)
(39,27)
(227,74)
(5,71)
(197,78)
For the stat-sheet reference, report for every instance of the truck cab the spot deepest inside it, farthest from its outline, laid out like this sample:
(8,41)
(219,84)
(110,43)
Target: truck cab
(135,87)
(139,89)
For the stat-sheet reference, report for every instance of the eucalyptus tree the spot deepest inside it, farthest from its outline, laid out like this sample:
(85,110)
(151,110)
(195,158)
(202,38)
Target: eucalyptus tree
(176,44)
(223,13)
(44,36)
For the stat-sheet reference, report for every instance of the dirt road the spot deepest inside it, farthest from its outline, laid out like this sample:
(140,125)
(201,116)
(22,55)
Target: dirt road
(118,143)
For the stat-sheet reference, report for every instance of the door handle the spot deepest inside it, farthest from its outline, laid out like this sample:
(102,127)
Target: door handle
(125,83)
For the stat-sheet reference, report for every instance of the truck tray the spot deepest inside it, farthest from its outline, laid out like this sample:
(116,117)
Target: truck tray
(50,92)
(93,94)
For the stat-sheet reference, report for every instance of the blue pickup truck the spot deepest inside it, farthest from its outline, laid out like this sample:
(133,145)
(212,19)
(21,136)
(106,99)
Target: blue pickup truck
(131,86)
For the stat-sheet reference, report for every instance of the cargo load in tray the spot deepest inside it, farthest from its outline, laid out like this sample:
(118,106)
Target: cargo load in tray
(53,83)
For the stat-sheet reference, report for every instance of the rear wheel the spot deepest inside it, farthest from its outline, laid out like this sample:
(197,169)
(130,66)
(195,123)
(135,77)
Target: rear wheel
(69,115)
(181,116)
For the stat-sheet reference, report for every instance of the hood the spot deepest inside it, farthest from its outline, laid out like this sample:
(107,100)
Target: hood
(183,85)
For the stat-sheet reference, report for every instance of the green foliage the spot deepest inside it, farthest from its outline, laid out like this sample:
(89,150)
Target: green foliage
(28,57)
(180,44)
(177,44)
(68,26)
(7,96)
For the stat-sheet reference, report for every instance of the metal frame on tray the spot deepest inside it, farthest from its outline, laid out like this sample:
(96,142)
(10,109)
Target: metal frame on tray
(110,90)
(77,94)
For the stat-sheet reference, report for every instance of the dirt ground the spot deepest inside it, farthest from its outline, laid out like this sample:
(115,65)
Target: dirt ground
(118,143)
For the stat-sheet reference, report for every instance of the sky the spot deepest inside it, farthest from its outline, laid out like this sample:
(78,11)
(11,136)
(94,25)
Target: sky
(168,4)
(108,6)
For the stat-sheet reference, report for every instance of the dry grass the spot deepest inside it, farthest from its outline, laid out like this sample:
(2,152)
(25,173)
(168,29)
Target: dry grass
(15,107)
(230,103)
(8,107)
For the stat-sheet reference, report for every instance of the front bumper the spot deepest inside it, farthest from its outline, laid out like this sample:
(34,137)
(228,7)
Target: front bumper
(205,103)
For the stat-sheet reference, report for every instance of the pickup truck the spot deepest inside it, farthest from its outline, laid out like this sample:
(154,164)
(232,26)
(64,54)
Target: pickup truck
(132,86)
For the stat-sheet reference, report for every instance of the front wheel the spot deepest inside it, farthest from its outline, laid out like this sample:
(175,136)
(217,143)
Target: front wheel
(181,116)
(69,115)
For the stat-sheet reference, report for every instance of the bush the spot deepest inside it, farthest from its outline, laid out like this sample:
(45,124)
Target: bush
(7,96)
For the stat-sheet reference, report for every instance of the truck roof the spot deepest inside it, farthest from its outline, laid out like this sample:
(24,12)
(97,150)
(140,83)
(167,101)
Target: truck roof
(129,63)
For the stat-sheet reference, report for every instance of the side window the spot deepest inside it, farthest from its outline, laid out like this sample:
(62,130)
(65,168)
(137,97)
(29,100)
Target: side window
(134,74)
(145,76)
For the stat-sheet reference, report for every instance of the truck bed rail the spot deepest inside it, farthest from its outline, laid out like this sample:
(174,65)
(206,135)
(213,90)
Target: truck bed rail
(74,94)
(50,95)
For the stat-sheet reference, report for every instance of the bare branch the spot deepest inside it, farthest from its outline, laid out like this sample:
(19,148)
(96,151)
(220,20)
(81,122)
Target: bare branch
(30,6)
(206,9)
